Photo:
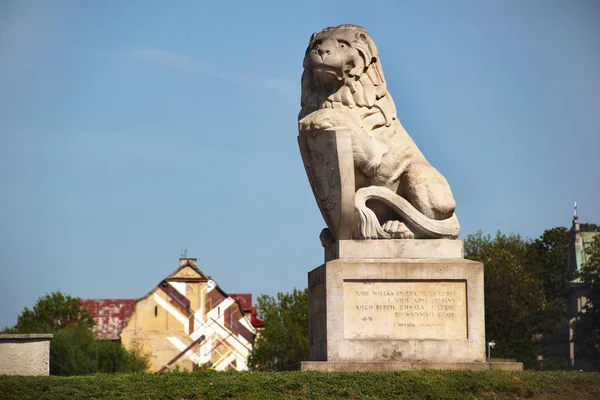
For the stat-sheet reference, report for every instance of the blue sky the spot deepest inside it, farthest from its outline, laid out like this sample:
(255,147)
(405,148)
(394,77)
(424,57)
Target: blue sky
(132,130)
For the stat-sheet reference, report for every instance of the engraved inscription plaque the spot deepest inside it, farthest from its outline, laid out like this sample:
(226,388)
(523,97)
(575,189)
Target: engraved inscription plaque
(405,309)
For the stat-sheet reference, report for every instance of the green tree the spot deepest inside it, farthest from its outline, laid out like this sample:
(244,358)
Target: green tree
(515,303)
(589,227)
(71,350)
(75,350)
(114,357)
(586,328)
(553,250)
(53,312)
(284,341)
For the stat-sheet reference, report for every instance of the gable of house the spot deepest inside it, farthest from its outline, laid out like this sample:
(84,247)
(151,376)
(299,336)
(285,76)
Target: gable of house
(187,320)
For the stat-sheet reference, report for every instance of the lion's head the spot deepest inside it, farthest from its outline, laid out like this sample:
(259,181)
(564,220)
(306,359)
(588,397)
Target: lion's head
(342,70)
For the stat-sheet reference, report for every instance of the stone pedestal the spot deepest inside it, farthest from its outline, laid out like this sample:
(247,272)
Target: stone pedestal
(398,313)
(395,249)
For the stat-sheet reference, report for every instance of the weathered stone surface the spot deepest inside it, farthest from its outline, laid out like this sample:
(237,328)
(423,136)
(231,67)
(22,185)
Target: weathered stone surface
(355,149)
(397,311)
(25,354)
(405,309)
(330,170)
(394,249)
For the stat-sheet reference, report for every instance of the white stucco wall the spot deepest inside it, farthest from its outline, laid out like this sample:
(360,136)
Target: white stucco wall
(25,354)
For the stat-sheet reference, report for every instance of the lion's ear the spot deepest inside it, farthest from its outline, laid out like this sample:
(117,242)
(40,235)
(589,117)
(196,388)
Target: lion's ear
(310,42)
(362,37)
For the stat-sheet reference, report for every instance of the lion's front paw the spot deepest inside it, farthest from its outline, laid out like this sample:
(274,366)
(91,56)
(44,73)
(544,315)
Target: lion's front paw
(319,121)
(398,230)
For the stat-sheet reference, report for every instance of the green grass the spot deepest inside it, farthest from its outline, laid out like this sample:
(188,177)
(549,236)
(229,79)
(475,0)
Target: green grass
(425,384)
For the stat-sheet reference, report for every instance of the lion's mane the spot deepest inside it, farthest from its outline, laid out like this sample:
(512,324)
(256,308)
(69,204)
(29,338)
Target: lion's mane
(365,93)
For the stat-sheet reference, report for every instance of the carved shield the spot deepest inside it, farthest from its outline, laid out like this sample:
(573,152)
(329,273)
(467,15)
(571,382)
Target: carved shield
(329,166)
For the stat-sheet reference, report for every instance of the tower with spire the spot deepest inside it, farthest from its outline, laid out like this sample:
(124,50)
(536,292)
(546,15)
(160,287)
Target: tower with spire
(581,236)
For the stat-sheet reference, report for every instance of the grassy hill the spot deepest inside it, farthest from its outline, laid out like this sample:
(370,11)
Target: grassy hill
(425,384)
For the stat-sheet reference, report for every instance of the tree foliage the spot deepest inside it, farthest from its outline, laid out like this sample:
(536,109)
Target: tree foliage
(53,312)
(70,351)
(284,341)
(589,227)
(587,325)
(553,251)
(516,308)
(75,350)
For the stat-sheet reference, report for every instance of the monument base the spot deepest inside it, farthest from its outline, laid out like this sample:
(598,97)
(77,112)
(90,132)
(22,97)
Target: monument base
(395,249)
(351,366)
(396,314)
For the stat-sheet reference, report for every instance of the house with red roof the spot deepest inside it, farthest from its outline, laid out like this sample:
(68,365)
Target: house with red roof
(186,321)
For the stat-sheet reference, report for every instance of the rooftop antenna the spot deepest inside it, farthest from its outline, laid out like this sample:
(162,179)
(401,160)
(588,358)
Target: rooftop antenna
(575,211)
(183,253)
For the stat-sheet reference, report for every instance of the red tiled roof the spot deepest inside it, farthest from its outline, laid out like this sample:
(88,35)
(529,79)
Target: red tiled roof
(257,323)
(110,315)
(245,300)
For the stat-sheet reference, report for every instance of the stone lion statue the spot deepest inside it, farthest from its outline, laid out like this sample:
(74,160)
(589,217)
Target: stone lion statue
(399,194)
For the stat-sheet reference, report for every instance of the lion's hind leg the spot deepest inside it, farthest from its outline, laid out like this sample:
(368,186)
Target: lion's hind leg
(368,226)
(428,191)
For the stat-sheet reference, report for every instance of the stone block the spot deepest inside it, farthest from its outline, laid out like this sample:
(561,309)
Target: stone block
(395,249)
(25,354)
(397,310)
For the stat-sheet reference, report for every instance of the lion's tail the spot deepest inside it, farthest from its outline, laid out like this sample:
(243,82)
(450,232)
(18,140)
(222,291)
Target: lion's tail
(422,226)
